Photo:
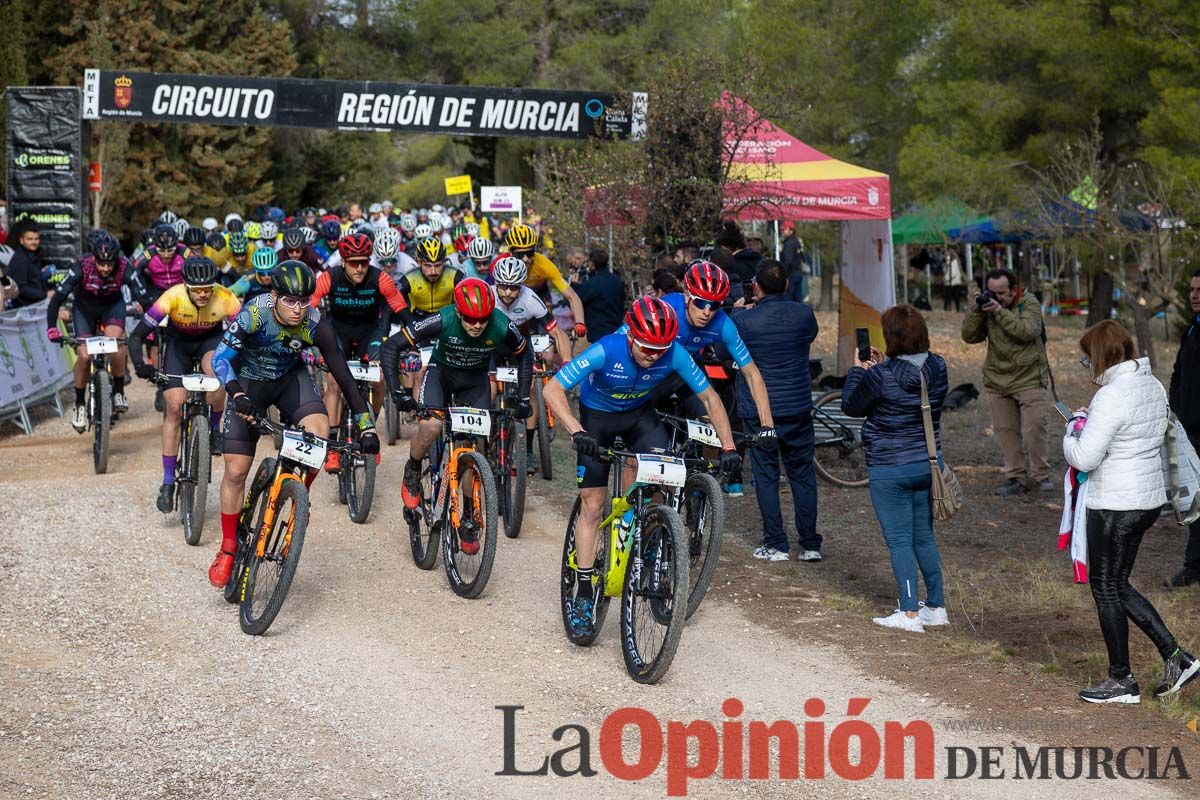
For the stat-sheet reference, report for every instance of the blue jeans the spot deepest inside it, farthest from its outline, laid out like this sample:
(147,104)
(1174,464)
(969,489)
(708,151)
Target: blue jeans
(795,437)
(900,495)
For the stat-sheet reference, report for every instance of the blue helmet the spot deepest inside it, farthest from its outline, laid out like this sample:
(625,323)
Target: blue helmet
(331,231)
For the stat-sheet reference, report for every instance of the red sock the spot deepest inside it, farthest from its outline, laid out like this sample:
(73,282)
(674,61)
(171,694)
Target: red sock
(229,524)
(312,476)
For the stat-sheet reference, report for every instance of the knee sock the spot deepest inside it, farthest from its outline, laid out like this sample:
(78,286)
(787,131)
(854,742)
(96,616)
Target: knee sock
(215,419)
(169,463)
(79,393)
(229,523)
(312,476)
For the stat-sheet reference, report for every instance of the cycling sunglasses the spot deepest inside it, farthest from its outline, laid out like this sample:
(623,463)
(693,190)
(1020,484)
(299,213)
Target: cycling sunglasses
(295,302)
(515,286)
(705,305)
(474,320)
(651,351)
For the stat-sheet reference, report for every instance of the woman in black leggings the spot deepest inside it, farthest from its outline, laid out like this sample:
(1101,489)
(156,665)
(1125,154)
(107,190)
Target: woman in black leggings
(1118,448)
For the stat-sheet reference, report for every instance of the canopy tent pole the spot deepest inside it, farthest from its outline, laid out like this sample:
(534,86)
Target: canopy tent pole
(970,268)
(777,251)
(1008,256)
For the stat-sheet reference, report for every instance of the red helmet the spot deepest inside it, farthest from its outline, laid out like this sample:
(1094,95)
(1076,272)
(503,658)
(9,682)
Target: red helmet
(463,242)
(355,246)
(706,280)
(652,323)
(473,298)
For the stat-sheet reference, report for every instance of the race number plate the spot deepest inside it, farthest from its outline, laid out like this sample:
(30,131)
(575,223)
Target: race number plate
(506,374)
(704,434)
(661,470)
(310,454)
(540,342)
(475,421)
(364,372)
(200,383)
(426,354)
(97,345)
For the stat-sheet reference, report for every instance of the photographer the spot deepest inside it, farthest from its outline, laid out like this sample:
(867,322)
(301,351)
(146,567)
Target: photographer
(1015,375)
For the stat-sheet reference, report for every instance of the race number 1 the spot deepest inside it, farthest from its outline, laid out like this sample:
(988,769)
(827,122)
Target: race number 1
(661,470)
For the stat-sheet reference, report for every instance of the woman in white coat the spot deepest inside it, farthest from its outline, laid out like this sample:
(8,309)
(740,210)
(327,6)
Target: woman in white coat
(1119,448)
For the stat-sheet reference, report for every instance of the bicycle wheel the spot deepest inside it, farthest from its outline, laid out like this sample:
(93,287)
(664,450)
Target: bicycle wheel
(655,589)
(838,457)
(424,531)
(249,521)
(268,578)
(101,412)
(360,484)
(703,515)
(193,493)
(543,431)
(392,415)
(567,582)
(512,479)
(468,573)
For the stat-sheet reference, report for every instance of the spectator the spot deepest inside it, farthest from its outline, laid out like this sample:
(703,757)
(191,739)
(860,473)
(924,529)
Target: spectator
(1119,448)
(1015,374)
(663,283)
(728,241)
(955,285)
(888,393)
(602,296)
(792,256)
(1185,402)
(25,267)
(755,243)
(686,252)
(576,261)
(778,333)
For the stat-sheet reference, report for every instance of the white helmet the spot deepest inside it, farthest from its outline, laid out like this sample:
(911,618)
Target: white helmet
(269,230)
(423,231)
(408,222)
(387,205)
(167,217)
(510,270)
(181,226)
(374,208)
(232,216)
(473,228)
(387,244)
(480,249)
(209,224)
(437,208)
(310,234)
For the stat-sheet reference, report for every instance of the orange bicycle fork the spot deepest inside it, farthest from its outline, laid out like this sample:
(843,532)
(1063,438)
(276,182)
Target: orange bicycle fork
(271,510)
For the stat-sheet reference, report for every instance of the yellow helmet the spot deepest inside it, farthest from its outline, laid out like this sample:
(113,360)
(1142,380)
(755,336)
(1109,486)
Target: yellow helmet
(431,249)
(520,237)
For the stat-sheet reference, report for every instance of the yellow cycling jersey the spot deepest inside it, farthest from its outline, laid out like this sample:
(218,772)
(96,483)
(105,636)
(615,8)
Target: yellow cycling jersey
(183,317)
(428,298)
(219,257)
(542,269)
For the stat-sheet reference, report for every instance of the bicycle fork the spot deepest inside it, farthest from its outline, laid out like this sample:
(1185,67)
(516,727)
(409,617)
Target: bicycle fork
(269,516)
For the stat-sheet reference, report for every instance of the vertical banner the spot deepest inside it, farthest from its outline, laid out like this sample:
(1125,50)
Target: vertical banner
(868,286)
(46,174)
(29,364)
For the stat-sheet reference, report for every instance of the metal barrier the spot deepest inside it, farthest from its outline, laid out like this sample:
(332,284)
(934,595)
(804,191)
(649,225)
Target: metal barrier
(32,371)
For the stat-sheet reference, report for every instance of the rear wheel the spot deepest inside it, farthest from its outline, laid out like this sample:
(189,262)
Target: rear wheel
(511,479)
(545,455)
(568,581)
(703,515)
(838,457)
(249,522)
(423,529)
(654,594)
(392,415)
(102,415)
(193,493)
(468,573)
(360,483)
(269,577)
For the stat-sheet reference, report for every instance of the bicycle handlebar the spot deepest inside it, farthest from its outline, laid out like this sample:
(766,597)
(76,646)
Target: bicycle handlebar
(268,425)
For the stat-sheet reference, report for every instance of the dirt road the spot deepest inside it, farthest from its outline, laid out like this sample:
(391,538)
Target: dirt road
(124,674)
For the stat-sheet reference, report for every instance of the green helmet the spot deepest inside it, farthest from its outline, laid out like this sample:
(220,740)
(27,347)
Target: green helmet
(238,243)
(264,259)
(294,279)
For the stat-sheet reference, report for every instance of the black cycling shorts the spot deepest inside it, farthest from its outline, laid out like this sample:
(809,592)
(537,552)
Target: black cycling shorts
(295,395)
(640,429)
(182,355)
(90,320)
(445,386)
(353,342)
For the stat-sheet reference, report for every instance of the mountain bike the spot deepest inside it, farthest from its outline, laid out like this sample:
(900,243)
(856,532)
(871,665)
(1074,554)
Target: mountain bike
(356,478)
(273,523)
(641,557)
(507,454)
(458,503)
(542,372)
(99,392)
(193,469)
(838,454)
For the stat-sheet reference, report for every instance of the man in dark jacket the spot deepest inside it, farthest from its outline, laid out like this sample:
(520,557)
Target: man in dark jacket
(778,333)
(602,295)
(25,268)
(1184,395)
(792,256)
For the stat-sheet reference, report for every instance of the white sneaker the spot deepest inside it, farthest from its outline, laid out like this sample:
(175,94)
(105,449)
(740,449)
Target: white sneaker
(79,419)
(810,555)
(120,404)
(898,619)
(770,554)
(932,617)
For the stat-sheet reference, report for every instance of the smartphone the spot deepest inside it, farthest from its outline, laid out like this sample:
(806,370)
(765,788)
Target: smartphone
(862,338)
(1061,408)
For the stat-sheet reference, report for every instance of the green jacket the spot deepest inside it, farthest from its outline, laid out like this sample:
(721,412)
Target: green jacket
(1016,357)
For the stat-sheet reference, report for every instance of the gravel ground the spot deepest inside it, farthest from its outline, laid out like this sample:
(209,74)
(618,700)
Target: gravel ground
(125,674)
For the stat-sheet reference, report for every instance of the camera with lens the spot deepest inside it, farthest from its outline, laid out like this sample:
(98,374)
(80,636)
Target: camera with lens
(985,297)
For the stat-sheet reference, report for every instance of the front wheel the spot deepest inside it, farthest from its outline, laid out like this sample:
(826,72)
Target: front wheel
(703,515)
(838,456)
(360,485)
(248,524)
(654,593)
(102,415)
(193,491)
(511,478)
(268,577)
(468,573)
(543,431)
(568,580)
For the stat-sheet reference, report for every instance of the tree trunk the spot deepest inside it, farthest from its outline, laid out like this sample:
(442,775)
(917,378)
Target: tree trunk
(1100,303)
(1141,327)
(827,270)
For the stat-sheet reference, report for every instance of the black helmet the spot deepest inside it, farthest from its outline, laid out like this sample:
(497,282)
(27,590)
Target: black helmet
(294,279)
(234,225)
(216,241)
(104,247)
(194,237)
(165,237)
(200,271)
(293,239)
(147,237)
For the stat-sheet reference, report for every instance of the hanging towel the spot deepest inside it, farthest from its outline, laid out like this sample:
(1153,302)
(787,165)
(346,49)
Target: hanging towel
(1072,528)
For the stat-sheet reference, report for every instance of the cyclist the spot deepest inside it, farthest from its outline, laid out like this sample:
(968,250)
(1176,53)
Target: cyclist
(529,314)
(259,364)
(295,248)
(466,336)
(162,261)
(362,300)
(216,248)
(615,377)
(240,251)
(193,241)
(326,246)
(522,243)
(268,235)
(481,254)
(96,280)
(194,311)
(429,288)
(460,257)
(258,281)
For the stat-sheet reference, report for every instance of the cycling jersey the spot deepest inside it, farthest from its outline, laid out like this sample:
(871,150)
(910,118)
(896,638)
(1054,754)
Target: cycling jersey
(163,270)
(93,289)
(183,318)
(615,382)
(425,298)
(219,257)
(541,270)
(369,303)
(265,349)
(528,307)
(462,263)
(719,330)
(248,287)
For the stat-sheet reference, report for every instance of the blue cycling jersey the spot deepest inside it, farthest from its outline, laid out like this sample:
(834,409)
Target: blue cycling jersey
(719,329)
(615,382)
(263,349)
